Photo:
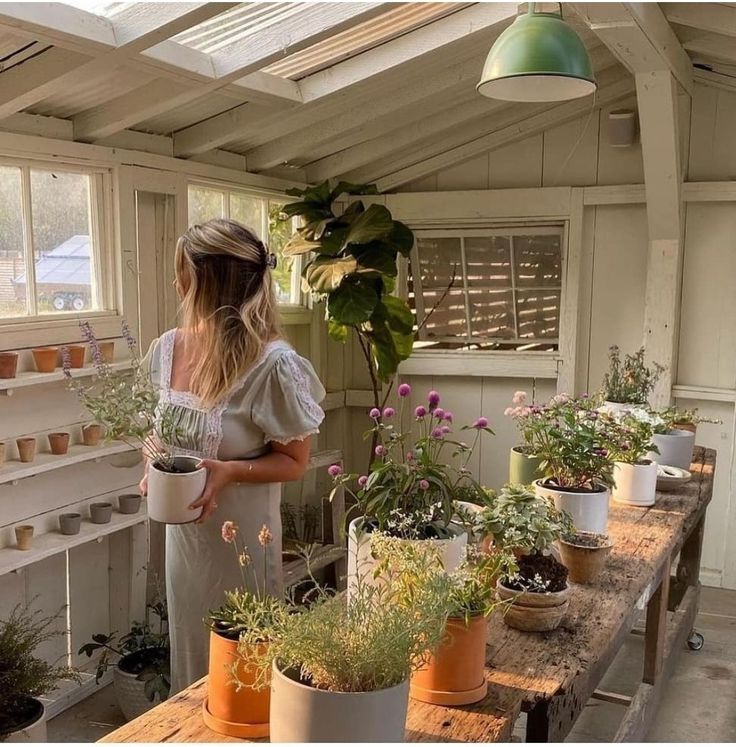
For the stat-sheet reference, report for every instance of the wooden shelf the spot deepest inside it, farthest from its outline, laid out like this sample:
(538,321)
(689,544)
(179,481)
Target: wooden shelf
(14,470)
(325,458)
(33,378)
(52,543)
(296,570)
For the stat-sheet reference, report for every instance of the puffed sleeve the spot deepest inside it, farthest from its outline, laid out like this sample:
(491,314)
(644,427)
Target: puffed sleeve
(151,361)
(287,406)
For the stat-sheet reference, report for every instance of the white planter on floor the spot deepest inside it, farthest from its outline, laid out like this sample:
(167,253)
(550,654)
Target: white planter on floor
(300,713)
(33,731)
(171,493)
(675,448)
(129,690)
(636,484)
(589,510)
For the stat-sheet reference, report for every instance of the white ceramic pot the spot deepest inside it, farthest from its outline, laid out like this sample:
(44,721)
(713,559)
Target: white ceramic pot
(620,408)
(589,511)
(33,731)
(300,713)
(636,484)
(171,493)
(361,563)
(675,448)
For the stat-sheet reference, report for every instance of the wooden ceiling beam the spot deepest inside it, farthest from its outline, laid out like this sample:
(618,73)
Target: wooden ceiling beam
(718,18)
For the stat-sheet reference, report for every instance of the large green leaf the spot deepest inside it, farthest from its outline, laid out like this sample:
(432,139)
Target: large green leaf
(324,274)
(352,303)
(375,256)
(384,349)
(375,223)
(399,316)
(401,238)
(319,194)
(347,188)
(337,331)
(297,244)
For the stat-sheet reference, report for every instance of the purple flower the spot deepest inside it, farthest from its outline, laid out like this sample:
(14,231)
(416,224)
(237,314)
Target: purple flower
(445,429)
(375,413)
(380,450)
(409,456)
(437,433)
(129,339)
(480,423)
(66,361)
(420,412)
(334,470)
(404,390)
(362,480)
(94,345)
(439,413)
(433,398)
(449,417)
(424,485)
(584,395)
(389,412)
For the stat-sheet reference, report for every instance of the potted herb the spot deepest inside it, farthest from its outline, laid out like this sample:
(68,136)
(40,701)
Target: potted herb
(536,592)
(634,469)
(584,555)
(411,490)
(127,405)
(234,707)
(24,677)
(674,435)
(524,465)
(139,661)
(628,383)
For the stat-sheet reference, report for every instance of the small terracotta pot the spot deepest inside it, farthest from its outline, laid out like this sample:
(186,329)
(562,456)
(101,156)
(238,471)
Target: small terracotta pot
(24,536)
(456,673)
(100,513)
(129,503)
(91,434)
(26,448)
(76,355)
(692,427)
(70,523)
(534,611)
(227,710)
(59,443)
(107,350)
(8,364)
(45,359)
(584,564)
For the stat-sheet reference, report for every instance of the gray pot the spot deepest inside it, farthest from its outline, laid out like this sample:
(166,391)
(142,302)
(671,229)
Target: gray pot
(129,503)
(300,713)
(675,448)
(33,731)
(70,523)
(100,513)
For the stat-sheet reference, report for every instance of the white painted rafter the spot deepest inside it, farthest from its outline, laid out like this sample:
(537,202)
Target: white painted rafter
(718,18)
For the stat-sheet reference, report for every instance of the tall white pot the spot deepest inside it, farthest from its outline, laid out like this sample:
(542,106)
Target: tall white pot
(171,493)
(675,448)
(300,713)
(636,484)
(589,511)
(34,731)
(361,563)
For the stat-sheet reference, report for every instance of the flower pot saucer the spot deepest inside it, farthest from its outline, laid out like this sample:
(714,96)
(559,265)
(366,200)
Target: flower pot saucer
(671,478)
(439,697)
(231,728)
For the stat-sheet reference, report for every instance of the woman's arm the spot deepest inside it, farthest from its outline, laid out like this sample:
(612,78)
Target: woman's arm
(284,463)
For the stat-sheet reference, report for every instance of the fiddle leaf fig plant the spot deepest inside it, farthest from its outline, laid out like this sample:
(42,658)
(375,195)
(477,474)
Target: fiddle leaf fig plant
(354,269)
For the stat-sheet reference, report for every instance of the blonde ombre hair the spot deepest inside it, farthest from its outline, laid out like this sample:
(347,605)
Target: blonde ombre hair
(223,276)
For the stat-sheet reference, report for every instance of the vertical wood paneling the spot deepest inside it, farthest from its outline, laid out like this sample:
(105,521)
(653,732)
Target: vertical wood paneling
(571,153)
(517,165)
(46,591)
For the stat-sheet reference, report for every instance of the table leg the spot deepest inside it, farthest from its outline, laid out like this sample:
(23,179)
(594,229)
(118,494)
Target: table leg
(688,567)
(537,723)
(656,629)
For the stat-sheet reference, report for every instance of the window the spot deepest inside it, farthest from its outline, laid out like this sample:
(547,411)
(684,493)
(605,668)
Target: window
(49,242)
(260,214)
(487,289)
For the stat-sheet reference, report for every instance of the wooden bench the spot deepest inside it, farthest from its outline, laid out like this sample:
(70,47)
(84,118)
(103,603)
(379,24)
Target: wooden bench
(551,676)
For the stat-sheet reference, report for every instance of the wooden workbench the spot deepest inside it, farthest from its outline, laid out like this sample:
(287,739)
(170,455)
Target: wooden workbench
(552,675)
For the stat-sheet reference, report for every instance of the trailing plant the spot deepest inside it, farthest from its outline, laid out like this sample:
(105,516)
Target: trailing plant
(23,675)
(671,417)
(412,486)
(629,381)
(126,403)
(148,641)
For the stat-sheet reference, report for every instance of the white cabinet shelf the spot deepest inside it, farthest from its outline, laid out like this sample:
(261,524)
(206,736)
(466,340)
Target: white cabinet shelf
(33,378)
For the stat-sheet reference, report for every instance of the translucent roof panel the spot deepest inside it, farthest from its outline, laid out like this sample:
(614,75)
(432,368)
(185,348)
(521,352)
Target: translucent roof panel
(68,263)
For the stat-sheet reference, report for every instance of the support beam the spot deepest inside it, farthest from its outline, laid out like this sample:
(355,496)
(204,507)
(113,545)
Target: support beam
(640,37)
(719,18)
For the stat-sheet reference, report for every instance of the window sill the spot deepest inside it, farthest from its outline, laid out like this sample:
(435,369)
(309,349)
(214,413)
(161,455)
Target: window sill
(294,314)
(38,331)
(483,363)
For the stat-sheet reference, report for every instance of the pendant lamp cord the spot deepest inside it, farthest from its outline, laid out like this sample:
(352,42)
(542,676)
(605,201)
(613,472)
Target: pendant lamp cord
(578,141)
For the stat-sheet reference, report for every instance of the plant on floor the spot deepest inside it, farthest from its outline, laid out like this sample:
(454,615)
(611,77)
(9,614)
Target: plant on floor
(24,676)
(629,381)
(412,486)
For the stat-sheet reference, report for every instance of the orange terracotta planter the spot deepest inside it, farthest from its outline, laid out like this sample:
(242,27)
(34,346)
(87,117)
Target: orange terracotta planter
(107,351)
(91,434)
(76,355)
(456,673)
(8,364)
(226,710)
(26,448)
(59,443)
(45,359)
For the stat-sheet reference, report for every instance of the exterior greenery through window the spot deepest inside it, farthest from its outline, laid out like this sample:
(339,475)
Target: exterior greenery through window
(259,213)
(49,241)
(498,289)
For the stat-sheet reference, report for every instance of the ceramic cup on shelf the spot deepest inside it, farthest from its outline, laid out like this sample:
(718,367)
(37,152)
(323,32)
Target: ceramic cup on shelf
(107,351)
(59,443)
(45,359)
(70,523)
(129,503)
(26,448)
(100,513)
(24,536)
(76,355)
(8,364)
(91,434)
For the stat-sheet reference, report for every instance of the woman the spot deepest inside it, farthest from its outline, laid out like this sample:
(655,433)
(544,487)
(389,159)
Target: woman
(248,405)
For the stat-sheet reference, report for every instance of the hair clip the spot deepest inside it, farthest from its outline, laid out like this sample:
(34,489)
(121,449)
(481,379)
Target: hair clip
(271,261)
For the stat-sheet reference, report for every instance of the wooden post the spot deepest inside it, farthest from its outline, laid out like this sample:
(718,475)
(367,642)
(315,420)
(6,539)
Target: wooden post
(656,629)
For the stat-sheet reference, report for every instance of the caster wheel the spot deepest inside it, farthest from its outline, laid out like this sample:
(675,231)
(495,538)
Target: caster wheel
(696,641)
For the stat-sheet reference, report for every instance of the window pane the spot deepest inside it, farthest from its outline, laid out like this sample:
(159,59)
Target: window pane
(278,234)
(538,313)
(488,260)
(12,266)
(491,313)
(537,261)
(449,318)
(438,260)
(247,210)
(62,242)
(205,204)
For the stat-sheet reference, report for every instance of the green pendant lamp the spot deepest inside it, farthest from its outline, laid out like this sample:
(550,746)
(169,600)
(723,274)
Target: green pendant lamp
(538,58)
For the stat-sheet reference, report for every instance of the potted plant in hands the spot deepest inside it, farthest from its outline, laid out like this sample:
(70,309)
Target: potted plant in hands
(524,466)
(628,383)
(24,677)
(634,469)
(127,405)
(411,491)
(233,706)
(139,660)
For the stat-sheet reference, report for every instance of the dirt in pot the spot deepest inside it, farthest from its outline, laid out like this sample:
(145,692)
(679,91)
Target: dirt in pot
(587,539)
(144,659)
(174,469)
(552,573)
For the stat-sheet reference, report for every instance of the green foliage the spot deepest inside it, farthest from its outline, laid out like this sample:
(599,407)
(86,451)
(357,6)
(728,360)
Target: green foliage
(634,436)
(672,417)
(518,518)
(629,381)
(24,675)
(353,270)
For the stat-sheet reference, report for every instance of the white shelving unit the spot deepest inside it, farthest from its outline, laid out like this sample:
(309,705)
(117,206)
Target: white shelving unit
(33,378)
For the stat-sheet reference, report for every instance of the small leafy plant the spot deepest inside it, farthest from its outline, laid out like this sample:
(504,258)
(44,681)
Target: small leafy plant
(629,381)
(635,436)
(671,418)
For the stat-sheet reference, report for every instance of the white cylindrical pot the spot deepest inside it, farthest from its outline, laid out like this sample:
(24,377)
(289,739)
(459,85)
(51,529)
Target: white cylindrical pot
(675,448)
(361,563)
(171,493)
(33,731)
(636,484)
(300,713)
(589,510)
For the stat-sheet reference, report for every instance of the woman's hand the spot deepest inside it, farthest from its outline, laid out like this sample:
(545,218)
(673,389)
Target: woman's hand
(143,484)
(219,476)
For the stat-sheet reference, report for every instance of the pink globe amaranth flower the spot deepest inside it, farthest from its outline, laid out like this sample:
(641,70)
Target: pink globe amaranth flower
(481,422)
(389,412)
(519,398)
(433,398)
(409,456)
(445,429)
(380,450)
(229,531)
(509,411)
(424,485)
(404,390)
(362,480)
(375,413)
(436,433)
(334,470)
(449,417)
(439,413)
(420,412)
